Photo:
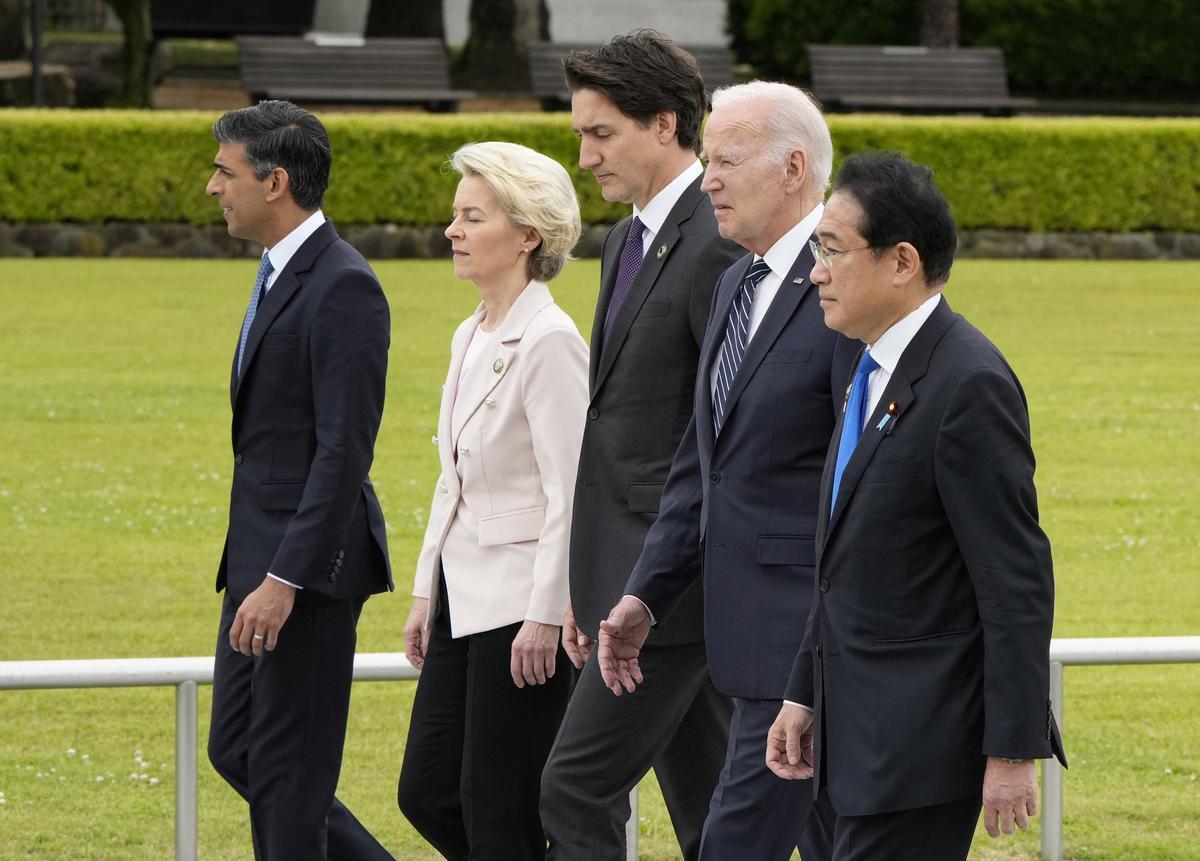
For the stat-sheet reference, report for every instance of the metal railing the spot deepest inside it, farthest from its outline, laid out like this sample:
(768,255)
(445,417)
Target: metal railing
(185,674)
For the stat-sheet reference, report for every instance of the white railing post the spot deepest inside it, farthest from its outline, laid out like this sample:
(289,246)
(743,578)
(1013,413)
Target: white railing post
(1052,779)
(631,827)
(186,843)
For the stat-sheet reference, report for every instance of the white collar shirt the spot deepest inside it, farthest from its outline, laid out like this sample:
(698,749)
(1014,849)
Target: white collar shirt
(287,247)
(891,345)
(660,206)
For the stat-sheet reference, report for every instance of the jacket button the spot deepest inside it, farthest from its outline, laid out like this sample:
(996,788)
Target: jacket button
(714,477)
(593,413)
(823,585)
(489,402)
(434,440)
(237,458)
(333,577)
(341,554)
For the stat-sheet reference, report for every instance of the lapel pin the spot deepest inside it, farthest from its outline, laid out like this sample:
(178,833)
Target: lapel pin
(893,412)
(662,249)
(799,279)
(882,422)
(498,365)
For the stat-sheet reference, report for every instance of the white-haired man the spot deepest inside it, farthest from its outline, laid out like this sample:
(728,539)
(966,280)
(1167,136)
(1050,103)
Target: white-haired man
(740,506)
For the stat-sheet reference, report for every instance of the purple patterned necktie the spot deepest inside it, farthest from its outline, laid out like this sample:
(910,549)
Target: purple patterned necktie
(631,262)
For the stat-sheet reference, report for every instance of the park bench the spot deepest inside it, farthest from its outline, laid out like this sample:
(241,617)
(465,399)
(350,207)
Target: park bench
(547,84)
(903,78)
(348,69)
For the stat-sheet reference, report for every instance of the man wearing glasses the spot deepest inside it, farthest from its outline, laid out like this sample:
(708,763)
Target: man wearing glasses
(739,509)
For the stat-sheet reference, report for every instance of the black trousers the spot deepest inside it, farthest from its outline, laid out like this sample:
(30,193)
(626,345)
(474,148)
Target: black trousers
(675,721)
(941,832)
(476,747)
(277,730)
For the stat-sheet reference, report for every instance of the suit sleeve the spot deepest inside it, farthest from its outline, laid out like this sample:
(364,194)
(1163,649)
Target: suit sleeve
(984,469)
(554,389)
(711,263)
(348,355)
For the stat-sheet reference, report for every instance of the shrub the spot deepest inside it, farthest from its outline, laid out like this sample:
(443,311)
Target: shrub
(1032,174)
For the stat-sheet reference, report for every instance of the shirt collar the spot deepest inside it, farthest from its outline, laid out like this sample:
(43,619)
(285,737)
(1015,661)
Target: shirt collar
(285,248)
(783,254)
(661,204)
(892,343)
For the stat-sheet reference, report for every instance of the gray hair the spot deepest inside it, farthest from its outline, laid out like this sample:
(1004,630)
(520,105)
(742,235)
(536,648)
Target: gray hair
(794,121)
(535,191)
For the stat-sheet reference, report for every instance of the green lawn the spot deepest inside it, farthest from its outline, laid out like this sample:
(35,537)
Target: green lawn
(114,433)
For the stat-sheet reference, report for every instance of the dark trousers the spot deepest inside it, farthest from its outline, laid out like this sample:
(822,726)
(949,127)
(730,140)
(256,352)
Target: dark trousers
(756,815)
(941,832)
(278,725)
(476,747)
(675,721)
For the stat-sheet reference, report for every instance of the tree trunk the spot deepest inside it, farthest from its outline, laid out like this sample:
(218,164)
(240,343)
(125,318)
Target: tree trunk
(939,23)
(406,18)
(12,29)
(497,51)
(136,91)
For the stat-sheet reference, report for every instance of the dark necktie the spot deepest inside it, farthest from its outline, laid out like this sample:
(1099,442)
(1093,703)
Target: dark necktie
(627,270)
(737,334)
(852,423)
(260,288)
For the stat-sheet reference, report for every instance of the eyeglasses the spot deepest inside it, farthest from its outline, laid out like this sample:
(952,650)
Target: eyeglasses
(828,256)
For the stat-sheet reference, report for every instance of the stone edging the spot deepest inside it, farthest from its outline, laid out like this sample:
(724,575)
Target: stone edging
(384,241)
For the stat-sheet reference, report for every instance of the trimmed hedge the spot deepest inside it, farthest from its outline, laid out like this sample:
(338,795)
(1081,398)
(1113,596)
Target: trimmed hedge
(1027,174)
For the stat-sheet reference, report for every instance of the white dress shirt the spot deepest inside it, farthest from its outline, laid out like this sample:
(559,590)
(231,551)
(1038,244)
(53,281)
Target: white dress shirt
(661,204)
(780,257)
(890,346)
(280,256)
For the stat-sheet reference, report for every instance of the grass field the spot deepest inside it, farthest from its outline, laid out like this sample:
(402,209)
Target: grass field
(114,468)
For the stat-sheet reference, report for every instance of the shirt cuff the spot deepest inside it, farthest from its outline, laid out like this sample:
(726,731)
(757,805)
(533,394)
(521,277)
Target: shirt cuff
(653,621)
(797,705)
(281,580)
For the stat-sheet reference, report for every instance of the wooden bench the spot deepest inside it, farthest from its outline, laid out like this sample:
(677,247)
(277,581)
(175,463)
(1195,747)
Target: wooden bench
(890,77)
(348,70)
(547,83)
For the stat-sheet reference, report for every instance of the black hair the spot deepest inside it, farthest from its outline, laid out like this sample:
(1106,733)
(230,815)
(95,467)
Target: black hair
(900,203)
(279,134)
(643,74)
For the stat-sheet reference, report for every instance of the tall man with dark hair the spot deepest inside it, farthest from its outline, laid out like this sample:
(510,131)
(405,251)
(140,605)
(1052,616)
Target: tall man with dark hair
(922,686)
(636,105)
(739,507)
(305,544)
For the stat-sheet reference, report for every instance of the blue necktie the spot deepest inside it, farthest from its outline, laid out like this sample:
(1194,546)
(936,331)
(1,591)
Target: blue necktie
(852,423)
(260,288)
(627,270)
(737,334)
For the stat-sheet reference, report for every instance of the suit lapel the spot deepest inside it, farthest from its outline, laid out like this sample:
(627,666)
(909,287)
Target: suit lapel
(277,298)
(652,265)
(913,365)
(714,336)
(610,263)
(783,307)
(496,359)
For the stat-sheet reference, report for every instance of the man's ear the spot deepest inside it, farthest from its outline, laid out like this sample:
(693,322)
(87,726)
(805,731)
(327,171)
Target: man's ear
(665,124)
(909,265)
(278,183)
(795,170)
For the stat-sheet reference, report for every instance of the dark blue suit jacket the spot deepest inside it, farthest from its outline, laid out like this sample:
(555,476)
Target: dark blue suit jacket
(305,415)
(741,509)
(928,647)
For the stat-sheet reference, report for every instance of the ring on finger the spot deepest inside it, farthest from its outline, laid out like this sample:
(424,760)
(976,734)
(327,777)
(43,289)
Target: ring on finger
(259,637)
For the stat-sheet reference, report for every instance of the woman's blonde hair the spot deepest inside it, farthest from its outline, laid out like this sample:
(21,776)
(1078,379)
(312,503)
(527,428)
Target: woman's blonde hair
(535,191)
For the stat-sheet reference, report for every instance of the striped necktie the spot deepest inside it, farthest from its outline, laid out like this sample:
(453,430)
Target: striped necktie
(737,335)
(260,288)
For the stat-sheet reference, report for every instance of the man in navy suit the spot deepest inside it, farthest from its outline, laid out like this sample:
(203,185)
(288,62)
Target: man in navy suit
(739,509)
(305,544)
(921,690)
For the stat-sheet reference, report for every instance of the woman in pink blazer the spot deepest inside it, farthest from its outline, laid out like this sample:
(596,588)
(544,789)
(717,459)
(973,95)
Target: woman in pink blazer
(491,580)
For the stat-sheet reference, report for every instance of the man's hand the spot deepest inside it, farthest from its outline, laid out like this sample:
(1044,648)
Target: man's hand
(1009,795)
(790,743)
(621,637)
(533,652)
(416,635)
(576,644)
(261,616)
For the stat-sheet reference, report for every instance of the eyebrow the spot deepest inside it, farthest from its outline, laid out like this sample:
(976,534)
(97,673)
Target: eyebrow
(592,128)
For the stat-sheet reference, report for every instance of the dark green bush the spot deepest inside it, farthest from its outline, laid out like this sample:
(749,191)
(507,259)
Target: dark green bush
(1032,174)
(1092,48)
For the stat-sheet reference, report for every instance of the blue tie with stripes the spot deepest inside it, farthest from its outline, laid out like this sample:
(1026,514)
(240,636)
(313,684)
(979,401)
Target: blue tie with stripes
(260,288)
(737,334)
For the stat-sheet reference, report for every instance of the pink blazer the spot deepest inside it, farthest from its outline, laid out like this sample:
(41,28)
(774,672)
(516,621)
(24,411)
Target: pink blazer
(508,442)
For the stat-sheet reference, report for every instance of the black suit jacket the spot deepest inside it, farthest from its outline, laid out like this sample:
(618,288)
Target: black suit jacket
(928,646)
(305,415)
(641,381)
(743,507)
